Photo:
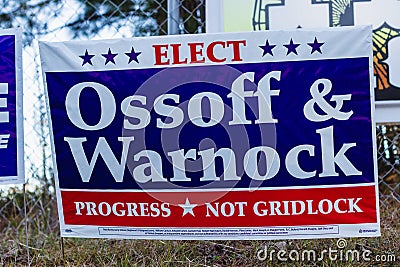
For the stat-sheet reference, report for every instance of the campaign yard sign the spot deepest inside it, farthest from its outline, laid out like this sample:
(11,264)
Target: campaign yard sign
(257,135)
(11,117)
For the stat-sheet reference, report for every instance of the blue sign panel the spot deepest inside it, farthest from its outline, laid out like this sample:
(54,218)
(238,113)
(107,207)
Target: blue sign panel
(11,135)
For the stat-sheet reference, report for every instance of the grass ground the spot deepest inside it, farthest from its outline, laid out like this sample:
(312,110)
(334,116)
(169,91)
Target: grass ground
(45,250)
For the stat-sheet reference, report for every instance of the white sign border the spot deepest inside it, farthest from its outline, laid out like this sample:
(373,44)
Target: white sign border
(92,231)
(20,177)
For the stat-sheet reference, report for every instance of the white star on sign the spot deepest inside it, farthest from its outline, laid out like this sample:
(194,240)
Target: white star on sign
(187,207)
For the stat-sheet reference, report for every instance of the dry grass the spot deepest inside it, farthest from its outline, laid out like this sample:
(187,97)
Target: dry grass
(45,249)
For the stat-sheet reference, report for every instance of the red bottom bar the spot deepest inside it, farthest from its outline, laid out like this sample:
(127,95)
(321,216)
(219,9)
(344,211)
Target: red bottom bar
(289,207)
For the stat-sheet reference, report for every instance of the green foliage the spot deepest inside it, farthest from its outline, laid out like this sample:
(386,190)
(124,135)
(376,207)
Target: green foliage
(139,16)
(28,14)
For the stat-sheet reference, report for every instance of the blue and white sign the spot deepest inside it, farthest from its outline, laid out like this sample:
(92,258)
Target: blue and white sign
(258,135)
(11,117)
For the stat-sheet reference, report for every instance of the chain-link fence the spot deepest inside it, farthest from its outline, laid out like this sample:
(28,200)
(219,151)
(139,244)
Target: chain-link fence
(62,20)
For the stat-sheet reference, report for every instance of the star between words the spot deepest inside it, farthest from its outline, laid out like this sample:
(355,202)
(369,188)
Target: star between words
(216,209)
(137,117)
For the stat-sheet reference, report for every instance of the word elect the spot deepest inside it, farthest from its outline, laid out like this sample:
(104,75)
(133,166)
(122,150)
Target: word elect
(216,52)
(152,171)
